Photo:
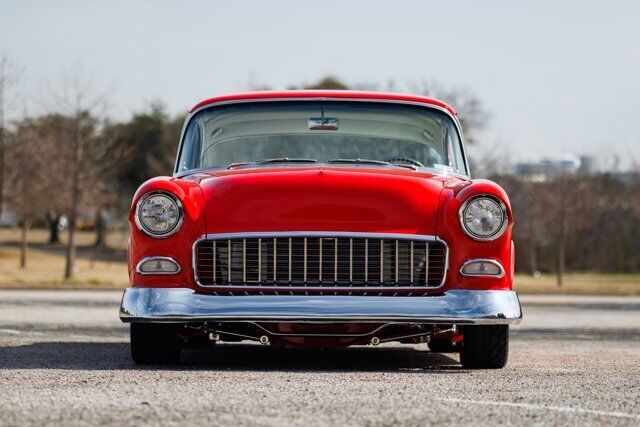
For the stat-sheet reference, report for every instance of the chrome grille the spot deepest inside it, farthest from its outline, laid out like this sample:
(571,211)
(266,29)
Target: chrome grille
(334,264)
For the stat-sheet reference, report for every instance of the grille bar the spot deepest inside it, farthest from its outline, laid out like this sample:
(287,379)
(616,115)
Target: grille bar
(300,262)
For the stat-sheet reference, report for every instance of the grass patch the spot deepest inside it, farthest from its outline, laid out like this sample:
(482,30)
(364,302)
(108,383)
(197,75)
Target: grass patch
(580,283)
(95,268)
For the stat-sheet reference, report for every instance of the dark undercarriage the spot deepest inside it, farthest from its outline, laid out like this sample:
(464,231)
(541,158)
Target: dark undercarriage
(313,334)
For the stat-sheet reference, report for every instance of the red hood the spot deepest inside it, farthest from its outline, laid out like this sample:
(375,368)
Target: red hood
(321,198)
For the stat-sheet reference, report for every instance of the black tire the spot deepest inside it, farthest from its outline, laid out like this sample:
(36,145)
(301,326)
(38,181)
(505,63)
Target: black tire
(155,344)
(443,346)
(485,347)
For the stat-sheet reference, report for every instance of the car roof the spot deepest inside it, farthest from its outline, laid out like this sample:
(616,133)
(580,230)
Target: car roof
(324,94)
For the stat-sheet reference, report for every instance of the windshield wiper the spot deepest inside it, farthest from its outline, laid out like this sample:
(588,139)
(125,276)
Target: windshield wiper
(285,160)
(360,161)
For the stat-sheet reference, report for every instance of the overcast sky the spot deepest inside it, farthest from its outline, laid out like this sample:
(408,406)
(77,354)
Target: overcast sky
(557,76)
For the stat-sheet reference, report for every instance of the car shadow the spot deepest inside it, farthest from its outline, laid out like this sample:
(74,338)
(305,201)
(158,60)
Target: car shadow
(245,357)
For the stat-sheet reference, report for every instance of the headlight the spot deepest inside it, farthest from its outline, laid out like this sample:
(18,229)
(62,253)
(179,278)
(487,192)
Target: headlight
(158,214)
(483,217)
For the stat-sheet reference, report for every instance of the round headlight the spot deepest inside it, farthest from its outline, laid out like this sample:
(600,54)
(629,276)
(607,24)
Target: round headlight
(483,217)
(158,214)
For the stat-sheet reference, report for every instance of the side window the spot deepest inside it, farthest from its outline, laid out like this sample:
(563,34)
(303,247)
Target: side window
(454,150)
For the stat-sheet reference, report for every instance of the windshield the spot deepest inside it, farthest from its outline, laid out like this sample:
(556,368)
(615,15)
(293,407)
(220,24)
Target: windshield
(322,131)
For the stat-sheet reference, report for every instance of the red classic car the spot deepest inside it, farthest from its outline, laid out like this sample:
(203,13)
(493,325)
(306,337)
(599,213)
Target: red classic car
(321,219)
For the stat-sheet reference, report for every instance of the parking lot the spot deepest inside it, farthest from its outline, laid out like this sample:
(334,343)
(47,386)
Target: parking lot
(64,358)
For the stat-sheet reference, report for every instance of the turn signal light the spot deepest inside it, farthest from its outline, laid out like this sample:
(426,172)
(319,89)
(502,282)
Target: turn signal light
(482,267)
(158,265)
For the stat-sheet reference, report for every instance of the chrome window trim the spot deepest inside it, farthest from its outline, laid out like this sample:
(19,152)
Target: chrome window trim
(486,261)
(498,233)
(453,117)
(438,172)
(157,258)
(171,232)
(313,234)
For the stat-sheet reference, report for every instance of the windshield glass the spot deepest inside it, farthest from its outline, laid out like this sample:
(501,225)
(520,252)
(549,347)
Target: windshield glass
(323,131)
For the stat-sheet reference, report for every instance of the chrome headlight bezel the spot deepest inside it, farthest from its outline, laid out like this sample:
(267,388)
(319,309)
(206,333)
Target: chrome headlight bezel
(499,231)
(141,226)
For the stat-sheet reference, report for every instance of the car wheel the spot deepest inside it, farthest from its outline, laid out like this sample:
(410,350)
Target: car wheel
(443,346)
(154,344)
(485,347)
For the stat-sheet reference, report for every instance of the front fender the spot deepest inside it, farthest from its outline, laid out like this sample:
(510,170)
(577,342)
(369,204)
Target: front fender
(463,248)
(177,246)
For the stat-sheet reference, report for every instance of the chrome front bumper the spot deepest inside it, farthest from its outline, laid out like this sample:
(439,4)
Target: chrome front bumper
(452,307)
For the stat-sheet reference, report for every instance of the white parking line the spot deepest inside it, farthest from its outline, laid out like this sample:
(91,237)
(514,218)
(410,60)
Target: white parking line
(536,407)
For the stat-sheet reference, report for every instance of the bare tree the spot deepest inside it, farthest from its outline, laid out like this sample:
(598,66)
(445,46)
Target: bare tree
(9,75)
(473,116)
(82,150)
(26,169)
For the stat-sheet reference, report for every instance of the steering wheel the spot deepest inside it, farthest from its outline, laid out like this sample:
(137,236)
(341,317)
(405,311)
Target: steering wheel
(403,160)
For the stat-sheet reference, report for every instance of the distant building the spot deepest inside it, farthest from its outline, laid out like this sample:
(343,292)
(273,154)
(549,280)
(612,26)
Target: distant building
(546,168)
(587,165)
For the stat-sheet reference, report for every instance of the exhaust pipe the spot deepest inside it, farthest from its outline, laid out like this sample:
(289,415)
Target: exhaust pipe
(264,340)
(375,341)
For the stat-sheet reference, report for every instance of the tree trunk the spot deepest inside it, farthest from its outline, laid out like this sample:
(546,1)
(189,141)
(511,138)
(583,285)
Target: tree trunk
(2,149)
(533,257)
(533,246)
(562,235)
(54,223)
(561,263)
(75,200)
(101,230)
(70,253)
(24,228)
(2,135)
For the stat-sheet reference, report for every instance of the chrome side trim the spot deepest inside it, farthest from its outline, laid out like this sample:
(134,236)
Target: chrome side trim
(451,307)
(157,258)
(487,261)
(332,234)
(453,117)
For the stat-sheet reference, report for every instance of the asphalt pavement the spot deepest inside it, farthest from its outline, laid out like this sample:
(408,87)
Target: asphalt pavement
(64,359)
